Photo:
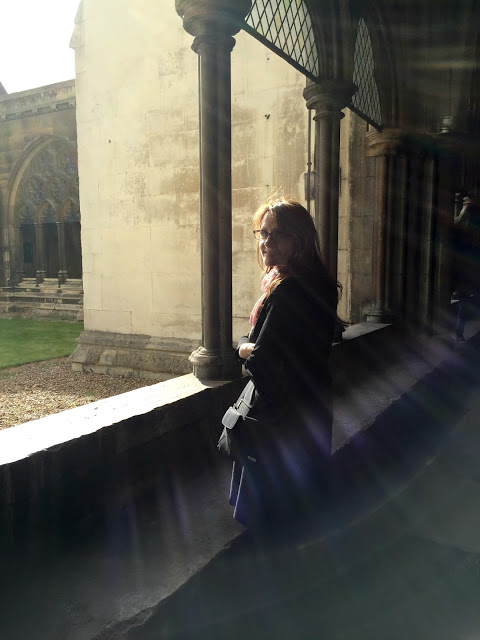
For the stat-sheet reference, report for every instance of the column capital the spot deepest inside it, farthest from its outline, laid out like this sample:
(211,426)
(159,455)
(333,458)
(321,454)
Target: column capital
(209,43)
(385,142)
(329,97)
(210,17)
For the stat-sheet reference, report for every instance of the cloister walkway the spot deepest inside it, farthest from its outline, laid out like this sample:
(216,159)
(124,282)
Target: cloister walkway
(396,556)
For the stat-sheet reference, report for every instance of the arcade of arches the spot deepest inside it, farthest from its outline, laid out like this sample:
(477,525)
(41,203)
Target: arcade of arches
(377,103)
(46,211)
(41,266)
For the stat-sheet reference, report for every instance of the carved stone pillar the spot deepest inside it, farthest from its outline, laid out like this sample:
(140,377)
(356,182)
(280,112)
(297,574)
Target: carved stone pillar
(40,242)
(386,147)
(18,254)
(328,99)
(447,146)
(213,23)
(62,272)
(7,271)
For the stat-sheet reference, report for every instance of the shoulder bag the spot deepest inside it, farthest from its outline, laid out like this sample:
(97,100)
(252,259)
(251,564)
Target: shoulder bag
(236,437)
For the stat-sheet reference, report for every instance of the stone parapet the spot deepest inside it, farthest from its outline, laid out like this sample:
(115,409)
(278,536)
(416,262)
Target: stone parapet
(146,461)
(65,468)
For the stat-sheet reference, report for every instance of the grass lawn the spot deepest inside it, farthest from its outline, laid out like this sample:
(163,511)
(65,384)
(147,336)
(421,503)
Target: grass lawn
(23,340)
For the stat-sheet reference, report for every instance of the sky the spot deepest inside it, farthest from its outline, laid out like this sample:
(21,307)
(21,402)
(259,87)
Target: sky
(34,39)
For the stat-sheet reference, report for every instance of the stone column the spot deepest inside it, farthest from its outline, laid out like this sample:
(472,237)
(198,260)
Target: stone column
(39,239)
(447,146)
(62,272)
(7,274)
(328,99)
(213,23)
(385,146)
(18,254)
(428,200)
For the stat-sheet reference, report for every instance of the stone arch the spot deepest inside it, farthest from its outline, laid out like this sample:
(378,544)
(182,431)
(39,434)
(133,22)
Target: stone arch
(315,39)
(39,159)
(377,67)
(25,215)
(47,213)
(69,217)
(320,40)
(70,211)
(43,183)
(332,25)
(369,17)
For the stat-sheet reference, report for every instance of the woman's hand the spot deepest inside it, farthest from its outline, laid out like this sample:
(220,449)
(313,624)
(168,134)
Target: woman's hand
(246,349)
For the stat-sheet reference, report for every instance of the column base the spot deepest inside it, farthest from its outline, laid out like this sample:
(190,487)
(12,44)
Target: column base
(40,276)
(62,277)
(215,364)
(379,315)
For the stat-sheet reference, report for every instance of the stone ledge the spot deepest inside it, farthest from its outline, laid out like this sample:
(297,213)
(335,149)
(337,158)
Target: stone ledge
(78,473)
(81,446)
(84,472)
(62,468)
(54,431)
(59,470)
(57,430)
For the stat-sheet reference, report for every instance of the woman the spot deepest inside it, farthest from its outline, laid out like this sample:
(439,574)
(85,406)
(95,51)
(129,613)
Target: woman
(286,353)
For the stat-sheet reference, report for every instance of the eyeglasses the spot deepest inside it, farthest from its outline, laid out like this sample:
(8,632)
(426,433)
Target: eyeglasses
(263,234)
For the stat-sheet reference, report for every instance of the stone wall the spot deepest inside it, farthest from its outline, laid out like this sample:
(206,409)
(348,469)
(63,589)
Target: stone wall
(138,154)
(28,114)
(355,228)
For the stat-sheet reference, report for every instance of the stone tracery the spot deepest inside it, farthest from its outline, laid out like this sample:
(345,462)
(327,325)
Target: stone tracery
(47,194)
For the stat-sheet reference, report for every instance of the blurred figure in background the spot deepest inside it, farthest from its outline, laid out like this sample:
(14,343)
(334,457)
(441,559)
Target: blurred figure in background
(466,263)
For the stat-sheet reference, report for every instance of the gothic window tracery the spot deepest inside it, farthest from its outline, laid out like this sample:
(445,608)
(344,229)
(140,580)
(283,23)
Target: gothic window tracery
(67,162)
(72,212)
(25,215)
(48,213)
(35,190)
(58,189)
(52,176)
(44,164)
(47,194)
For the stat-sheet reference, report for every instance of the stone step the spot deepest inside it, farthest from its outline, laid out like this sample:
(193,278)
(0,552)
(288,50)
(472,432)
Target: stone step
(42,298)
(46,299)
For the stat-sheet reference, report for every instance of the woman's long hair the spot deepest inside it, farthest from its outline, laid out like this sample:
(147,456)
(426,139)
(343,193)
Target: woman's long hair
(292,218)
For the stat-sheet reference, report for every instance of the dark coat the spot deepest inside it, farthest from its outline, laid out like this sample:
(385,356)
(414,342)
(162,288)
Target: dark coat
(289,365)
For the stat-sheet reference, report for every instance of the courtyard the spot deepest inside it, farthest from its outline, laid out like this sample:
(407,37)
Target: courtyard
(35,390)
(37,383)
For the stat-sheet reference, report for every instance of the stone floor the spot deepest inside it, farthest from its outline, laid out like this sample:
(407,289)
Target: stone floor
(397,559)
(407,567)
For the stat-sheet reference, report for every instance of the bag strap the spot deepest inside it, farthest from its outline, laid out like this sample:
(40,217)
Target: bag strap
(246,399)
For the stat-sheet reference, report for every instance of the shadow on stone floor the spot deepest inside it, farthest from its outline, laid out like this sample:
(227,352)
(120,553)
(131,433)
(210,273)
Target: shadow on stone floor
(397,558)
